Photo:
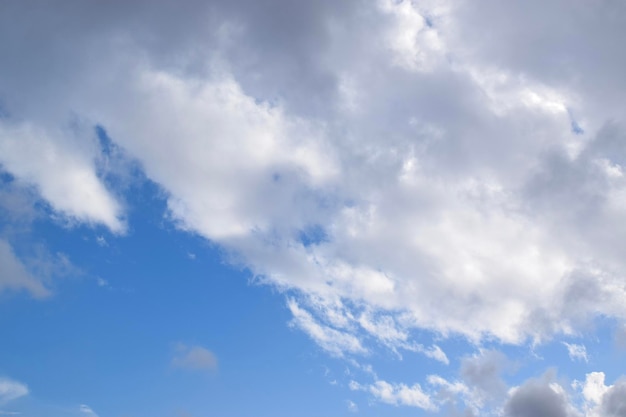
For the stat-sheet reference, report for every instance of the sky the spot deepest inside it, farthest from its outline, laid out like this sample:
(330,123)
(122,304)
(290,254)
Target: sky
(325,208)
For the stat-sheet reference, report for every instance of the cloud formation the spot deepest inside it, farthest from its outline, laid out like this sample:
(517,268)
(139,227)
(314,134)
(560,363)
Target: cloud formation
(389,165)
(397,394)
(576,352)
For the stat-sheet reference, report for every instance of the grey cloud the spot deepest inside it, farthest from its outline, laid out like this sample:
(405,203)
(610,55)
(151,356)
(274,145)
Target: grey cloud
(17,207)
(275,47)
(536,399)
(558,42)
(484,373)
(614,400)
(15,276)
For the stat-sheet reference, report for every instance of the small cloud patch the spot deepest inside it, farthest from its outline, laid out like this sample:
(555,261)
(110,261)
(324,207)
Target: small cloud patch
(194,358)
(11,390)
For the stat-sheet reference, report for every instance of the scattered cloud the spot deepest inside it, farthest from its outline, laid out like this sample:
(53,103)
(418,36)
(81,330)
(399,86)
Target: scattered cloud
(85,409)
(576,352)
(330,339)
(11,390)
(434,352)
(352,407)
(397,394)
(193,358)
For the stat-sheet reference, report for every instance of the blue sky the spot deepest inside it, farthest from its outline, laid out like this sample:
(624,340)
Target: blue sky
(278,208)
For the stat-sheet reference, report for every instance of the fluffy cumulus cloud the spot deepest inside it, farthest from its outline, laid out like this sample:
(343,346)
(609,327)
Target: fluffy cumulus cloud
(393,165)
(546,397)
(537,399)
(482,391)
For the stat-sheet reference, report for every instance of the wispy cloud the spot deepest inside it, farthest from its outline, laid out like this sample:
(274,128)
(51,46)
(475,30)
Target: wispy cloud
(397,394)
(85,409)
(193,358)
(11,390)
(330,339)
(576,351)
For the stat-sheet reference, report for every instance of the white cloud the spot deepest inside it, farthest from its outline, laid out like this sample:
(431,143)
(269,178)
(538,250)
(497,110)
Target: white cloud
(11,390)
(594,388)
(232,157)
(332,340)
(414,44)
(194,358)
(435,352)
(85,409)
(455,392)
(62,169)
(452,387)
(576,352)
(400,394)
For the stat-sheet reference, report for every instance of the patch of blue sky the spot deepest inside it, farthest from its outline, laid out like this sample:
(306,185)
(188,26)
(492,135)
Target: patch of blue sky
(110,331)
(313,235)
(576,128)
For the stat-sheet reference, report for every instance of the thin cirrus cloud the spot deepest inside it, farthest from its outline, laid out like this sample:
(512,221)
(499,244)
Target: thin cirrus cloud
(438,161)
